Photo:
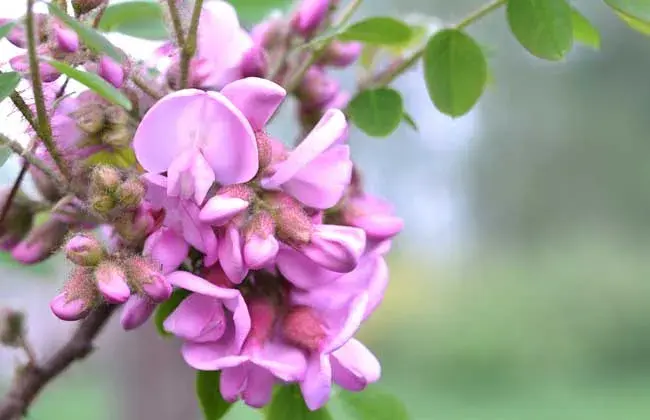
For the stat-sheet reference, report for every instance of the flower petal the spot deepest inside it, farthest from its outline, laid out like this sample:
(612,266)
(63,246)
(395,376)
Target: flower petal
(211,356)
(230,254)
(198,318)
(256,98)
(196,284)
(317,385)
(167,247)
(354,366)
(259,387)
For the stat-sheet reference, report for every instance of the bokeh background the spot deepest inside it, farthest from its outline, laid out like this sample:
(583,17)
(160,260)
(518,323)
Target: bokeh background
(521,285)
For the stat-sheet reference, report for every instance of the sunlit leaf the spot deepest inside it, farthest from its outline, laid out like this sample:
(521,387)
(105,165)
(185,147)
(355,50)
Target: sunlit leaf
(543,27)
(372,404)
(455,71)
(288,404)
(8,83)
(90,37)
(377,112)
(636,9)
(212,403)
(378,31)
(141,19)
(94,83)
(583,31)
(166,308)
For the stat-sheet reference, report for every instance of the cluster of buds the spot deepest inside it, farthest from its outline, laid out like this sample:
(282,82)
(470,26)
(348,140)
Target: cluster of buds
(100,277)
(102,123)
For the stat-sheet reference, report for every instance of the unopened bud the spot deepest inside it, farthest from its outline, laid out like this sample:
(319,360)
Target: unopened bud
(116,115)
(310,16)
(41,242)
(254,62)
(130,193)
(149,280)
(341,54)
(118,137)
(112,283)
(292,221)
(261,247)
(264,149)
(84,250)
(90,118)
(102,204)
(105,178)
(111,71)
(78,297)
(11,327)
(66,39)
(84,6)
(302,327)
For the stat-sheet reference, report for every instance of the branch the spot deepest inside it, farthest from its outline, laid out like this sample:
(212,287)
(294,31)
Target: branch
(145,85)
(45,130)
(176,22)
(189,47)
(33,377)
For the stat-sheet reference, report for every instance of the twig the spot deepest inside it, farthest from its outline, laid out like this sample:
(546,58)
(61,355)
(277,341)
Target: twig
(176,22)
(145,85)
(189,47)
(34,377)
(14,190)
(60,183)
(100,14)
(45,130)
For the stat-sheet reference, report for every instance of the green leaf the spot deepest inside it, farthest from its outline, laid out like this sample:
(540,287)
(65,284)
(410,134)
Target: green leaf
(455,71)
(5,152)
(6,28)
(543,27)
(288,404)
(95,83)
(583,31)
(634,23)
(255,10)
(90,37)
(635,9)
(377,112)
(212,403)
(8,83)
(378,31)
(166,308)
(372,404)
(141,19)
(408,120)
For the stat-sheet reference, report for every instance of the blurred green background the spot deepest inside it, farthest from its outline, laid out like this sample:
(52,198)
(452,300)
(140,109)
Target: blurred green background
(521,285)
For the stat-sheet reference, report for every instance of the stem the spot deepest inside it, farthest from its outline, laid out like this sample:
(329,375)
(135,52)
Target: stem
(21,105)
(189,47)
(346,14)
(145,85)
(33,160)
(14,190)
(100,15)
(402,65)
(32,378)
(45,130)
(176,22)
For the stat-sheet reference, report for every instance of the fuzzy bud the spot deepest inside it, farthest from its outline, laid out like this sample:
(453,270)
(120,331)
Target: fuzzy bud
(11,327)
(105,178)
(66,40)
(111,282)
(130,193)
(144,277)
(41,242)
(78,297)
(261,247)
(119,137)
(302,327)
(116,115)
(263,316)
(264,149)
(84,250)
(102,204)
(84,6)
(292,221)
(90,118)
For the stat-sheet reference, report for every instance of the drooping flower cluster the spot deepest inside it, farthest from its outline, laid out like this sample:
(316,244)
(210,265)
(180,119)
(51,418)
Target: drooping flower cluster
(291,252)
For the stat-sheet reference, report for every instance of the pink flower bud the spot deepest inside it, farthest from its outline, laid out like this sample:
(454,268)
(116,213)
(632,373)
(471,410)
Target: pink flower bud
(264,148)
(341,54)
(310,16)
(302,327)
(111,71)
(293,223)
(66,39)
(69,310)
(336,248)
(84,250)
(254,62)
(221,208)
(20,63)
(142,275)
(137,311)
(41,242)
(111,282)
(261,247)
(18,34)
(317,88)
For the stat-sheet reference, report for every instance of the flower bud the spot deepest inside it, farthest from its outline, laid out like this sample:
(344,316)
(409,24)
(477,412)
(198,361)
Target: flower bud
(111,71)
(229,202)
(310,16)
(69,309)
(302,327)
(149,280)
(292,221)
(130,193)
(137,311)
(254,62)
(341,54)
(118,137)
(336,248)
(84,6)
(261,247)
(105,178)
(84,250)
(116,115)
(11,327)
(18,34)
(111,282)
(78,297)
(264,149)
(317,88)
(41,242)
(90,118)
(263,316)
(18,220)
(102,204)
(66,39)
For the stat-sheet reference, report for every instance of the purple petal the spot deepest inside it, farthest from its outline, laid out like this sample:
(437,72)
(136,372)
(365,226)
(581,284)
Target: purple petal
(260,252)
(256,98)
(354,366)
(69,310)
(167,247)
(348,324)
(283,360)
(233,381)
(230,254)
(196,284)
(212,356)
(220,209)
(136,312)
(259,387)
(317,385)
(198,318)
(301,271)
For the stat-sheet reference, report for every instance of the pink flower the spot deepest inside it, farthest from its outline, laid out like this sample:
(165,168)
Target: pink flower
(167,247)
(319,169)
(137,311)
(222,44)
(310,16)
(112,283)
